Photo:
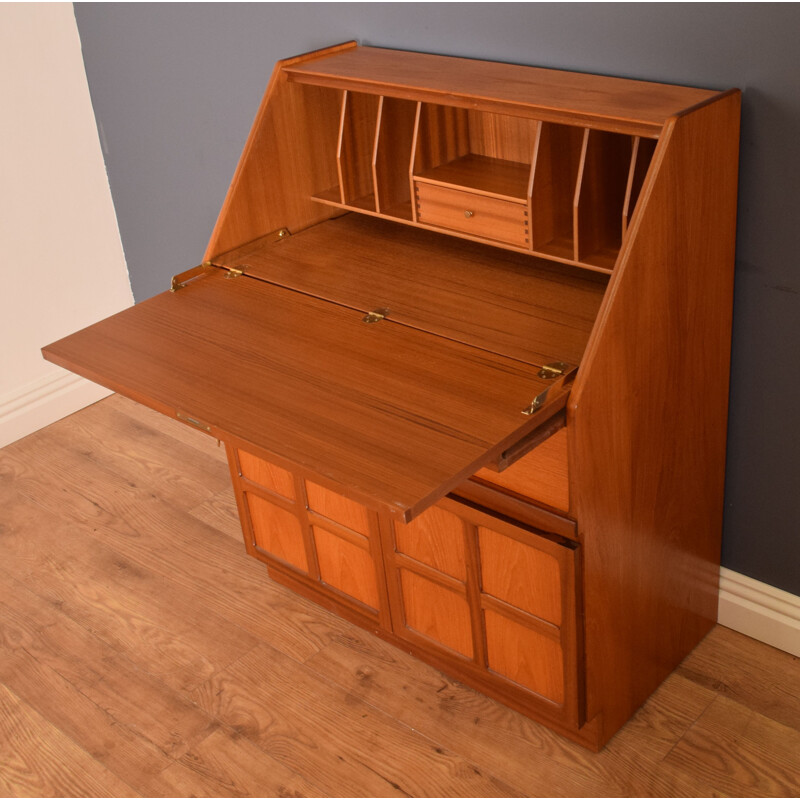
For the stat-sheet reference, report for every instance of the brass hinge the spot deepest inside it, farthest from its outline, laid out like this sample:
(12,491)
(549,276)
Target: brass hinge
(562,374)
(375,316)
(553,370)
(182,278)
(537,403)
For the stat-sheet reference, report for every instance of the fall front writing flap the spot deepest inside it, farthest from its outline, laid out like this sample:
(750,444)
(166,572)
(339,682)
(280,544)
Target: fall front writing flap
(395,415)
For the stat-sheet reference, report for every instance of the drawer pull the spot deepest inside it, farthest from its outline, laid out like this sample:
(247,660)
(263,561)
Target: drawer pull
(468,214)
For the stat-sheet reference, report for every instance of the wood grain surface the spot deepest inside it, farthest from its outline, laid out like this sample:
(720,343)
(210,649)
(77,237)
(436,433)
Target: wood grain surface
(541,475)
(284,163)
(76,692)
(435,538)
(384,410)
(616,103)
(647,485)
(516,305)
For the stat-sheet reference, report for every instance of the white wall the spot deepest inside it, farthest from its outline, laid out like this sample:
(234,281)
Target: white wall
(61,260)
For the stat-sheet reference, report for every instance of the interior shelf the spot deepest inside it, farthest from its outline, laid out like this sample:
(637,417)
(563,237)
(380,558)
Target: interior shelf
(332,197)
(563,192)
(494,177)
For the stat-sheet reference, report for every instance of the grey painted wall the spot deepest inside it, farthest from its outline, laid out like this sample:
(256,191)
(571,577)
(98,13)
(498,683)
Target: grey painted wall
(175,89)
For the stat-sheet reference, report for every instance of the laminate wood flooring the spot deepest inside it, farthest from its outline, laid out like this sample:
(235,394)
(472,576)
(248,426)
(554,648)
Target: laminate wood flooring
(143,653)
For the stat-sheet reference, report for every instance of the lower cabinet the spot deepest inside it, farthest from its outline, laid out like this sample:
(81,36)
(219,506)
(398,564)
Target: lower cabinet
(313,534)
(493,598)
(493,602)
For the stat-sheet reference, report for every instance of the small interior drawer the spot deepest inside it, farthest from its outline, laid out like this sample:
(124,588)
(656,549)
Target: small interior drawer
(476,214)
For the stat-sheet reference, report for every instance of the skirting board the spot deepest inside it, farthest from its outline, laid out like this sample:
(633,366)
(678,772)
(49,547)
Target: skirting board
(44,401)
(759,610)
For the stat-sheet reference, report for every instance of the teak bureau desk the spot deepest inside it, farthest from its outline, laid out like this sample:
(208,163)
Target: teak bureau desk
(464,328)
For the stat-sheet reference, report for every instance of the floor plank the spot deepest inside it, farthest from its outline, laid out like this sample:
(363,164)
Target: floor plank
(760,677)
(335,734)
(143,652)
(220,512)
(132,609)
(213,570)
(529,756)
(131,696)
(175,431)
(741,752)
(227,764)
(130,756)
(37,760)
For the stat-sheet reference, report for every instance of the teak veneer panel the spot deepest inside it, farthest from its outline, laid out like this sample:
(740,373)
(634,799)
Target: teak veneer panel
(267,475)
(344,566)
(282,162)
(338,508)
(541,475)
(525,656)
(277,531)
(633,106)
(438,613)
(520,575)
(628,105)
(435,538)
(516,305)
(647,484)
(393,415)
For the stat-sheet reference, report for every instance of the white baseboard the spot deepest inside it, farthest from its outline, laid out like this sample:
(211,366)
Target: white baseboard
(759,610)
(44,401)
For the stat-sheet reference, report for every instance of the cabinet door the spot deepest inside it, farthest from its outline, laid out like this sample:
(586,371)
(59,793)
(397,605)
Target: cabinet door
(311,533)
(494,600)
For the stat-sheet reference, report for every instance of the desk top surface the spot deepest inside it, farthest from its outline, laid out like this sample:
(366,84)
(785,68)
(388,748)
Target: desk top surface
(513,304)
(397,415)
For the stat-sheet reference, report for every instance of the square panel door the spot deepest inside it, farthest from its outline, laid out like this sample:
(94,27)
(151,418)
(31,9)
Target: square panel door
(495,600)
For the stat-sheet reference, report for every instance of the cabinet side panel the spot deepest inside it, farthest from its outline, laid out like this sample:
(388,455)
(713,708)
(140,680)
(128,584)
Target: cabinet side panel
(648,418)
(289,156)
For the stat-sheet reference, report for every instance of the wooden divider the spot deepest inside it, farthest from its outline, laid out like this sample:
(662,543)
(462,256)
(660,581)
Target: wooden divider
(556,165)
(393,151)
(641,157)
(356,140)
(600,197)
(578,186)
